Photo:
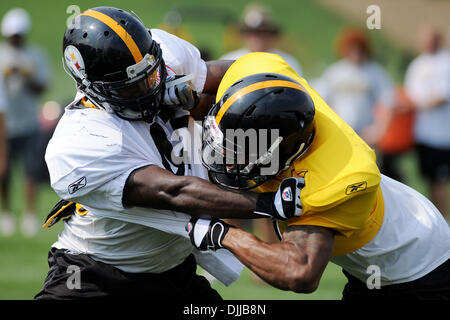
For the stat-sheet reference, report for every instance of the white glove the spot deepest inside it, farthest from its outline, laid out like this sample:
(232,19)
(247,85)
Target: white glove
(180,93)
(283,204)
(207,234)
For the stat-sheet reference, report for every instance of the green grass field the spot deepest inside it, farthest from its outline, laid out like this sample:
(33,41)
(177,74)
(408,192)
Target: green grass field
(309,29)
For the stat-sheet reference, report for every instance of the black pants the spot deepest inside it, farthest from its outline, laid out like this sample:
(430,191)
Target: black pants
(103,281)
(433,286)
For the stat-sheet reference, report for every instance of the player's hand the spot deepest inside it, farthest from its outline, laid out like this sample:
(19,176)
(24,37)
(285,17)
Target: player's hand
(180,94)
(207,234)
(283,204)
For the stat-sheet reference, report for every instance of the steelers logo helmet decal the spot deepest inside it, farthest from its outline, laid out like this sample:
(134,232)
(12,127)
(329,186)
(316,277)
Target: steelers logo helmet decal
(74,61)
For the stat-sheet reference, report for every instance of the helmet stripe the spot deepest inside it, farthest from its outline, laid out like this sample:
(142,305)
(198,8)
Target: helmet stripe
(117,28)
(251,88)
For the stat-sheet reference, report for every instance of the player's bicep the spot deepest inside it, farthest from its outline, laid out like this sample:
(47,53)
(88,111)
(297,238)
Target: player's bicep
(314,246)
(152,187)
(215,71)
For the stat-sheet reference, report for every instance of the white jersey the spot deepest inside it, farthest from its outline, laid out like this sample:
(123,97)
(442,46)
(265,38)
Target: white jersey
(413,240)
(90,157)
(428,78)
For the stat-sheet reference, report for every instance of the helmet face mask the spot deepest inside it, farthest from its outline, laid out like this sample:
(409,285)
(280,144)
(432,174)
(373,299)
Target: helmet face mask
(133,98)
(234,161)
(227,162)
(127,79)
(242,149)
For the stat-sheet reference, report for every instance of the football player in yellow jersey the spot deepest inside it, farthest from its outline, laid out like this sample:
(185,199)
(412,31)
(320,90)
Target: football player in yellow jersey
(390,240)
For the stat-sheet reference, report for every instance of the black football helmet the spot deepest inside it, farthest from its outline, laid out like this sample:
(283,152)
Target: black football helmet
(260,126)
(115,62)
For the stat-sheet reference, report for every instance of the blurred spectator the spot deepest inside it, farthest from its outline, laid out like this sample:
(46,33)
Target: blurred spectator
(360,91)
(355,85)
(427,82)
(173,23)
(25,72)
(260,32)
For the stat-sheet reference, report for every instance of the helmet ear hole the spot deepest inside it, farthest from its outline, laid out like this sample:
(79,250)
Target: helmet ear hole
(236,83)
(250,110)
(106,33)
(278,91)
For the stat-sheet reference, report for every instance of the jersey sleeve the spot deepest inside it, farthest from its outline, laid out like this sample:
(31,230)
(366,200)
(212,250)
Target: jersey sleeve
(96,155)
(182,57)
(344,218)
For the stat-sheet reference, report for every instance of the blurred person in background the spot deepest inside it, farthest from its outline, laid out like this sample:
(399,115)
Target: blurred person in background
(356,86)
(260,33)
(427,82)
(26,74)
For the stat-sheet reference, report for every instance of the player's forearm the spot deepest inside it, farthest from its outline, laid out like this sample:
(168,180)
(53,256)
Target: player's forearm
(281,265)
(215,71)
(206,100)
(154,187)
(200,198)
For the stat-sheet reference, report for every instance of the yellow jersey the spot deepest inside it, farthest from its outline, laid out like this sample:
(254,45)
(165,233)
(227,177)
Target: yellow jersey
(342,181)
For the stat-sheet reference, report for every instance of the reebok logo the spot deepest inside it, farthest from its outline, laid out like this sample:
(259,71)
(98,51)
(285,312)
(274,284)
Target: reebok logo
(77,185)
(356,187)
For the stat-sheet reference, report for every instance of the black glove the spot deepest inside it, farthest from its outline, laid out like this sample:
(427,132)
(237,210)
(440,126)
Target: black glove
(180,93)
(207,234)
(283,204)
(63,209)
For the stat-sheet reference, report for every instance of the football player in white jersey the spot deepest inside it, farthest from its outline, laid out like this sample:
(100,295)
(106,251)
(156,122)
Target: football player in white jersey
(111,161)
(391,241)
